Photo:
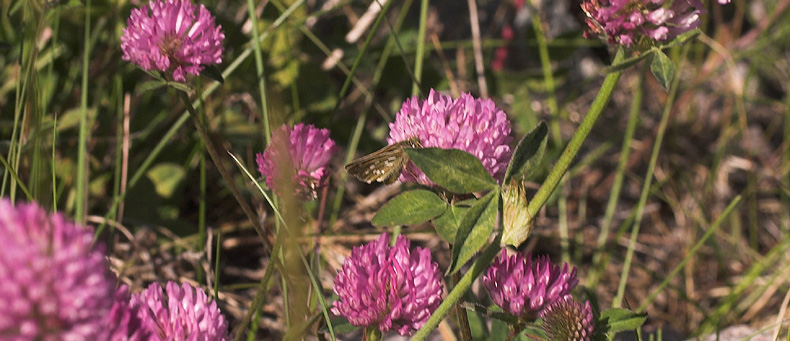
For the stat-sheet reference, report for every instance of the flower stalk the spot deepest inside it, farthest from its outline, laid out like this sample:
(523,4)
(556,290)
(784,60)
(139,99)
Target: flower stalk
(212,151)
(662,127)
(559,169)
(260,295)
(461,316)
(600,258)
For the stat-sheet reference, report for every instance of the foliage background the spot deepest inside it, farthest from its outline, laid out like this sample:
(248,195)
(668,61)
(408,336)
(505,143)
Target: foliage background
(729,134)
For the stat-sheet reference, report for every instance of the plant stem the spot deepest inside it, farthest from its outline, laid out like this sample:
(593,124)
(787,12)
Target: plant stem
(662,127)
(599,260)
(554,112)
(478,49)
(460,312)
(285,229)
(261,294)
(212,151)
(785,192)
(82,147)
(460,288)
(548,76)
(256,48)
(362,52)
(202,209)
(15,176)
(576,142)
(392,42)
(217,247)
(420,52)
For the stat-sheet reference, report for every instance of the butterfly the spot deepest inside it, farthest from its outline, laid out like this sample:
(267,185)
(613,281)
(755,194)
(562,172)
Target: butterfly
(594,28)
(383,165)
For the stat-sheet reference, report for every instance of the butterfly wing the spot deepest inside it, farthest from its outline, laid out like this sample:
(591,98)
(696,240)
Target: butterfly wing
(383,165)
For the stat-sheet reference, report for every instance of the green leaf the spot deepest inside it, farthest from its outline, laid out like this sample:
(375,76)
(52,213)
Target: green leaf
(528,153)
(409,208)
(618,320)
(179,86)
(532,331)
(447,223)
(211,72)
(591,297)
(340,326)
(478,324)
(628,62)
(166,177)
(71,118)
(662,68)
(499,329)
(157,75)
(453,169)
(150,85)
(474,230)
(74,3)
(681,39)
(494,313)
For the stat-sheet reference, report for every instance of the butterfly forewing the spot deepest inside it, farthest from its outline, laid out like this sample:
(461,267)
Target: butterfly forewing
(593,25)
(383,165)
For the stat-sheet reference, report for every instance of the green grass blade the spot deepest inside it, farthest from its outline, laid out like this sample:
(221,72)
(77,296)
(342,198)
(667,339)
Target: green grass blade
(662,127)
(256,48)
(598,263)
(420,53)
(713,228)
(362,53)
(82,148)
(15,176)
(369,101)
(316,285)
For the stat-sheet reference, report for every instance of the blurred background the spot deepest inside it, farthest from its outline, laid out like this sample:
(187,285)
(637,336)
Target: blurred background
(163,208)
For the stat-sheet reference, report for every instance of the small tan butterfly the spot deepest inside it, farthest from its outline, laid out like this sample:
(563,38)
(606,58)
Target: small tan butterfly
(594,27)
(383,165)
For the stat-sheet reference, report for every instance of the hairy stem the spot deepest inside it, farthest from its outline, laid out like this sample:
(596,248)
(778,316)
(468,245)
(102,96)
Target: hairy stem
(212,151)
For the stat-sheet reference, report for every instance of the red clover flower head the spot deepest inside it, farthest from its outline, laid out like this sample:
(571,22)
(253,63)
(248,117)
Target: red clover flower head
(474,125)
(626,22)
(179,313)
(124,321)
(388,287)
(523,287)
(567,319)
(56,284)
(307,148)
(172,36)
